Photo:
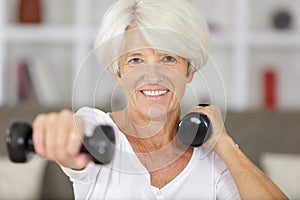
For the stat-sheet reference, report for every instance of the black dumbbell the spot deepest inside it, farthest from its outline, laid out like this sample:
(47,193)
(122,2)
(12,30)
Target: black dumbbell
(194,128)
(20,145)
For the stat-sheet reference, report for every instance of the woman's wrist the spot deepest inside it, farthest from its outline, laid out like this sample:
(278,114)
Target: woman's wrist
(225,145)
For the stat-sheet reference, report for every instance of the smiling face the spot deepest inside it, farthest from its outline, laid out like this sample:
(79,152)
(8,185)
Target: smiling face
(153,80)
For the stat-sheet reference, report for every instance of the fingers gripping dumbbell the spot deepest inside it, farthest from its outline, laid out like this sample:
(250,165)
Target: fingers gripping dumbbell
(20,145)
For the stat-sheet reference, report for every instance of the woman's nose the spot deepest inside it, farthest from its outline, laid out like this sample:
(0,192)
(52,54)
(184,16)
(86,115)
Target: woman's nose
(153,73)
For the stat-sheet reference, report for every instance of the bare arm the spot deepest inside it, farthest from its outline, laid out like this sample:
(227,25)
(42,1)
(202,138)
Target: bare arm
(251,182)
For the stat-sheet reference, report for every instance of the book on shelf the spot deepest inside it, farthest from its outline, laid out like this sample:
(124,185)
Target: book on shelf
(25,92)
(19,89)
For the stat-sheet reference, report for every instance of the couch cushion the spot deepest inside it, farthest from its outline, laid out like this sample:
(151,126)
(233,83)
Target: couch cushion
(284,170)
(21,181)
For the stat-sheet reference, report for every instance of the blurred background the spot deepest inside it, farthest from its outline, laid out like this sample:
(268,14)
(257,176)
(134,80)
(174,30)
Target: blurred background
(254,73)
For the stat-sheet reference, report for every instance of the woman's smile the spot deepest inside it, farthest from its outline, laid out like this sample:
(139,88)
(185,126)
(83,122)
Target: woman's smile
(154,94)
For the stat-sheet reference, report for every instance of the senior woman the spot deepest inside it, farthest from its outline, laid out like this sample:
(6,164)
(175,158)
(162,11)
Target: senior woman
(153,48)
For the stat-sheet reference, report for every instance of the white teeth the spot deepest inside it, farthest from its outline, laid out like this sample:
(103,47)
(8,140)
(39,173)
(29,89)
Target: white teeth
(154,93)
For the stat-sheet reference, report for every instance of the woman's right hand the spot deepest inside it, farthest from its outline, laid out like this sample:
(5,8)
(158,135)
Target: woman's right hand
(58,137)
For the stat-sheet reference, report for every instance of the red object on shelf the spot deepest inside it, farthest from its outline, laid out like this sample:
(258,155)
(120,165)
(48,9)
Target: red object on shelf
(270,86)
(30,11)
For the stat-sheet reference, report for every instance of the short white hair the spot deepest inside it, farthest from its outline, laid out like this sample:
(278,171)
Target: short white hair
(176,26)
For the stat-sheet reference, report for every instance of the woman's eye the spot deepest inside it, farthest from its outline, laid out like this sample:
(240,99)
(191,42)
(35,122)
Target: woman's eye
(169,59)
(135,61)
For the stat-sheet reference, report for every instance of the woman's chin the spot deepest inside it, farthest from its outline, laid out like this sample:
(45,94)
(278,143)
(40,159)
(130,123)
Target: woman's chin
(157,113)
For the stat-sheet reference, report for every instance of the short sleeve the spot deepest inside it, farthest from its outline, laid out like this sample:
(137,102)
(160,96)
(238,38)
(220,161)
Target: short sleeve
(226,187)
(83,180)
(87,175)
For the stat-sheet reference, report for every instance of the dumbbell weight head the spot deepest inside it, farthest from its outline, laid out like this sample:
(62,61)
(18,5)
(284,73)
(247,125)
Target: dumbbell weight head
(194,129)
(101,145)
(19,142)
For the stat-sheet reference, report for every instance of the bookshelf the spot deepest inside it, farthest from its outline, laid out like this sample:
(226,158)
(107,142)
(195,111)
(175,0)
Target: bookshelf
(243,44)
(255,47)
(276,49)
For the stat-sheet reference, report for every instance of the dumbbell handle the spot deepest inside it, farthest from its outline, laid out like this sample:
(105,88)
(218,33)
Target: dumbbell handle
(20,144)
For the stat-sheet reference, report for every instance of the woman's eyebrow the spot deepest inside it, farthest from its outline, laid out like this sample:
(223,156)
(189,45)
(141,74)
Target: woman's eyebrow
(133,54)
(167,54)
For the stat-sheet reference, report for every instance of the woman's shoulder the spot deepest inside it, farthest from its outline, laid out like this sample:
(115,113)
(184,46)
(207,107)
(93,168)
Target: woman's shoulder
(89,111)
(93,114)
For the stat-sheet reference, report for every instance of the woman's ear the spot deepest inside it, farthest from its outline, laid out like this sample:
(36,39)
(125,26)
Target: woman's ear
(118,80)
(190,78)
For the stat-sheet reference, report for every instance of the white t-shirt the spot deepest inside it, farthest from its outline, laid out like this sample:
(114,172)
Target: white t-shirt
(126,178)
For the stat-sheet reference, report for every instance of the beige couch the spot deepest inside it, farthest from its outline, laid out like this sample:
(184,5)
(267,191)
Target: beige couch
(256,132)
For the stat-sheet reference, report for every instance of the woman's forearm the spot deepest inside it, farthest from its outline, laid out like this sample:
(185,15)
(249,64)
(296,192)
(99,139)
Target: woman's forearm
(252,183)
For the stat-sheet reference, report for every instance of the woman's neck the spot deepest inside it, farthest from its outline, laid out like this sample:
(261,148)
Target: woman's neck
(151,134)
(156,145)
